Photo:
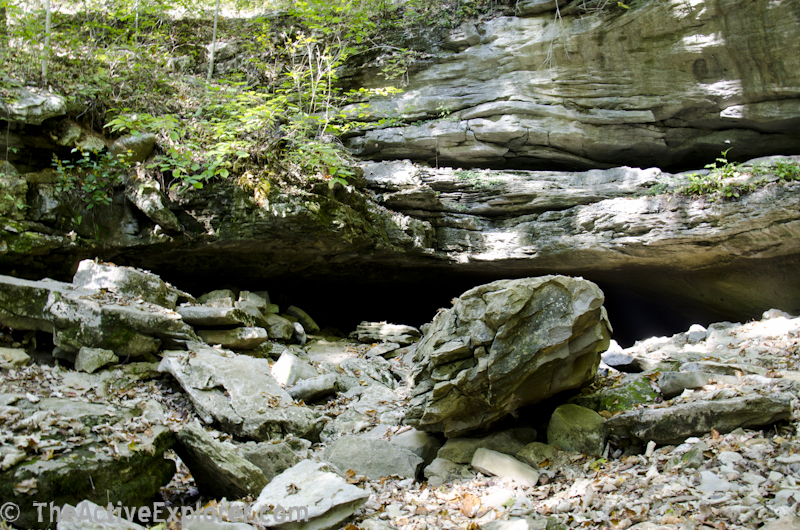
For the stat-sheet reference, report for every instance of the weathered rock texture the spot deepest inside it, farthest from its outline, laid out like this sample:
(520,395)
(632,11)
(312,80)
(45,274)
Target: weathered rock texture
(79,317)
(664,83)
(91,469)
(504,345)
(610,226)
(238,392)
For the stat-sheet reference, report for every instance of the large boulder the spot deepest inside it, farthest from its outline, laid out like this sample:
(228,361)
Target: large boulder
(504,345)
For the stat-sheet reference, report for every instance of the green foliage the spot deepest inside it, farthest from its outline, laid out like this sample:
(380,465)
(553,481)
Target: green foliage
(717,183)
(91,178)
(784,170)
(276,116)
(475,179)
(725,179)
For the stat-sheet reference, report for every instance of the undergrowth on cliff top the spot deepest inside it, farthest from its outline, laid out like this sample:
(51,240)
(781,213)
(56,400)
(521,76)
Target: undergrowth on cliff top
(271,114)
(726,180)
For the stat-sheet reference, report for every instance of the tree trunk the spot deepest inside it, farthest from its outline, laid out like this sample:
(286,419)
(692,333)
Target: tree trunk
(46,51)
(213,45)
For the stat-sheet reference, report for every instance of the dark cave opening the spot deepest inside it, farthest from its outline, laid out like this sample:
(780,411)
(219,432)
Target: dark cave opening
(343,303)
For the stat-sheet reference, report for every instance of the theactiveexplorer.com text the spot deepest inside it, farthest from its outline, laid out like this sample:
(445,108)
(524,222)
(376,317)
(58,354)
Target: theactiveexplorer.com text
(161,513)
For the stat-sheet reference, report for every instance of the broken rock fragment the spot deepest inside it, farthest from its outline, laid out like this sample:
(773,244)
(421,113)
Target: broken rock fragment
(504,345)
(217,467)
(320,497)
(238,392)
(494,463)
(79,317)
(129,282)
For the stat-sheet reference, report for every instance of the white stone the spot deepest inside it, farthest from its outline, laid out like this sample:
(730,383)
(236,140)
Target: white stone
(494,463)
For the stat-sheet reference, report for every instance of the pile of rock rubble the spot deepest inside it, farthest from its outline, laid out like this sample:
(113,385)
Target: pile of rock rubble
(393,428)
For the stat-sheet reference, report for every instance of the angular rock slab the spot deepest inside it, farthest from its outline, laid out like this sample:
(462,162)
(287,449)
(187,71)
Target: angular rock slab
(217,467)
(329,499)
(92,470)
(672,425)
(275,458)
(373,457)
(129,282)
(239,338)
(504,345)
(97,319)
(238,392)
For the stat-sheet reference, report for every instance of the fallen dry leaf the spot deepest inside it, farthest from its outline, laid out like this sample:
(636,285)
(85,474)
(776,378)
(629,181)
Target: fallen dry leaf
(470,505)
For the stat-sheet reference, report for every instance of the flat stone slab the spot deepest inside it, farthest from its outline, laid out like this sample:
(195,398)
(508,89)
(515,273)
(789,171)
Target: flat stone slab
(671,425)
(245,338)
(204,315)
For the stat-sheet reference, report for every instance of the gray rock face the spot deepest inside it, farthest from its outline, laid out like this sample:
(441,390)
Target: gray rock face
(218,468)
(676,423)
(237,391)
(328,498)
(576,428)
(13,194)
(600,222)
(373,457)
(504,345)
(527,92)
(147,196)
